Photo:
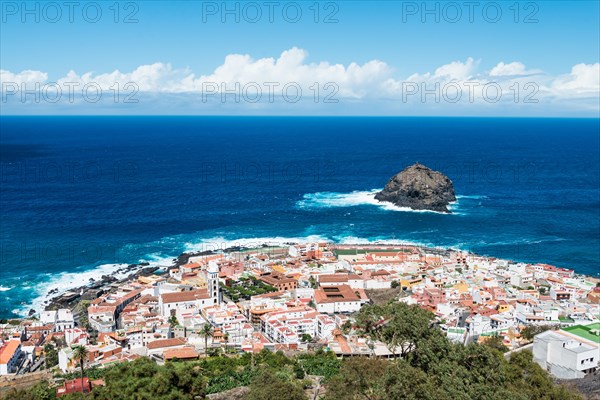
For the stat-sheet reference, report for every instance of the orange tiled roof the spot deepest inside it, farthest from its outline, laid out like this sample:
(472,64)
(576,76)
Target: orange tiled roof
(182,353)
(335,294)
(166,343)
(189,295)
(8,350)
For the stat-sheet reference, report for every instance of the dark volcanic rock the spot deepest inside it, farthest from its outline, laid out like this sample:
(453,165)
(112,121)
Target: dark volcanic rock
(419,188)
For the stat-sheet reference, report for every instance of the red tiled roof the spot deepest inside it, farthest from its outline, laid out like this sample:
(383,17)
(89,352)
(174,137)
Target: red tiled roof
(333,278)
(189,295)
(157,344)
(8,350)
(182,353)
(342,293)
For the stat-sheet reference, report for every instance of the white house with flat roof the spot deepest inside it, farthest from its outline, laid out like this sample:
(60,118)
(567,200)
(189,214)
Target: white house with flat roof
(62,319)
(568,353)
(11,356)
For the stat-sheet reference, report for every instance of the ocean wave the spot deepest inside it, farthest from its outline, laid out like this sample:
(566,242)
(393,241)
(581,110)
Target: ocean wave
(65,281)
(350,239)
(5,288)
(471,197)
(358,198)
(220,243)
(521,242)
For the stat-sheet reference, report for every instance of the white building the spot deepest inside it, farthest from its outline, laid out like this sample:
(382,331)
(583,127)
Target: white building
(62,319)
(102,318)
(178,303)
(11,356)
(569,353)
(288,326)
(521,280)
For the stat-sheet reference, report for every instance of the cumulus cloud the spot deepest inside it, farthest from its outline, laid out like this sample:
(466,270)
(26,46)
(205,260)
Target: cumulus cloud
(584,79)
(512,69)
(456,70)
(28,77)
(353,80)
(157,77)
(367,84)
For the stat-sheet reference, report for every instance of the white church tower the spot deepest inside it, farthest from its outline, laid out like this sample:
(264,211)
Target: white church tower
(212,278)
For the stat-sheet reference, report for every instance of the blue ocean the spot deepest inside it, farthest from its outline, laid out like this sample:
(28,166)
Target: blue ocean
(81,194)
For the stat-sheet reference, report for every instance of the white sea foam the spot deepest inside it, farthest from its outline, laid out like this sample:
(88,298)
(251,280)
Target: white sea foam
(522,242)
(220,243)
(356,198)
(5,289)
(473,197)
(349,239)
(65,281)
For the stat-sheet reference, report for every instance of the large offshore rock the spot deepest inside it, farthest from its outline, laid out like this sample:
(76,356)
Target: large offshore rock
(419,188)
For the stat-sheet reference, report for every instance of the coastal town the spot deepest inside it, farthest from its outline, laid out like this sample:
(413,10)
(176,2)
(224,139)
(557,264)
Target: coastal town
(299,297)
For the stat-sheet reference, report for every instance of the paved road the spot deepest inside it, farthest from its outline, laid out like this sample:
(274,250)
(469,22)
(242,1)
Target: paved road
(526,347)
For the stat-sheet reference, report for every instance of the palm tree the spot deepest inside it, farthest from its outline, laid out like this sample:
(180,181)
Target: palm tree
(207,332)
(80,353)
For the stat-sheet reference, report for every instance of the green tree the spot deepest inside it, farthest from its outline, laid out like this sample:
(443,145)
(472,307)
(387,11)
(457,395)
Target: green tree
(50,356)
(143,379)
(359,378)
(496,342)
(268,386)
(40,391)
(173,322)
(80,353)
(206,332)
(530,331)
(306,338)
(398,325)
(346,327)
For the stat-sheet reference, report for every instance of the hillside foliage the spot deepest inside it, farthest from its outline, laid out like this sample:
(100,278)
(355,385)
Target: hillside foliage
(431,368)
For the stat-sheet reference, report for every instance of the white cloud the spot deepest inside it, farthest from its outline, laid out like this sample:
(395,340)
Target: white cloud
(28,77)
(157,77)
(369,85)
(457,70)
(584,79)
(291,66)
(511,69)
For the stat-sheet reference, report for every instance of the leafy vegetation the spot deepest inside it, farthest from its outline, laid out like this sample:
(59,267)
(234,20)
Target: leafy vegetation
(206,332)
(530,331)
(269,386)
(173,322)
(435,368)
(51,356)
(432,367)
(246,288)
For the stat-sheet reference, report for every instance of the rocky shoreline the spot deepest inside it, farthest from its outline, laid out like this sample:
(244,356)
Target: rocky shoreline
(97,287)
(94,288)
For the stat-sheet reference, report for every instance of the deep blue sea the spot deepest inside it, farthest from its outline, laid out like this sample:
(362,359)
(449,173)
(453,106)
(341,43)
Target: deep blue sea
(79,194)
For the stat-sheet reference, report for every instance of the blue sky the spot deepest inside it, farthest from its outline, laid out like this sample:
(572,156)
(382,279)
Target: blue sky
(546,37)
